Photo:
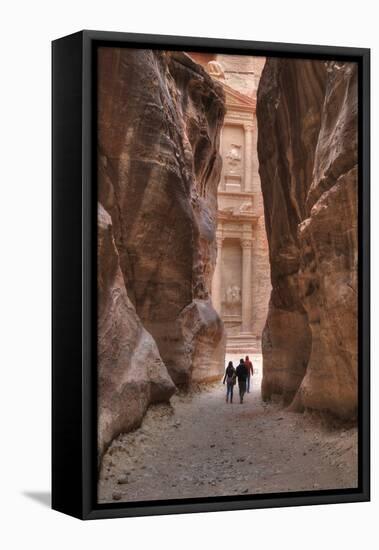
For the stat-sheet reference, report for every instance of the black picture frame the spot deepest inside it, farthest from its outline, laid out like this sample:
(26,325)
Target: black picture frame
(74,455)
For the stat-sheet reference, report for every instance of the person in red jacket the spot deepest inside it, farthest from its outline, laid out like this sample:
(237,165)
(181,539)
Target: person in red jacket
(250,371)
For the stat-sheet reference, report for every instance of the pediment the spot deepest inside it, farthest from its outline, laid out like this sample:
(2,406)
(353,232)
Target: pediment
(236,99)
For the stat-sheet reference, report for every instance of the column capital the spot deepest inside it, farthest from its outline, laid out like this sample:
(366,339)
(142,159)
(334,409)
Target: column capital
(246,242)
(248,126)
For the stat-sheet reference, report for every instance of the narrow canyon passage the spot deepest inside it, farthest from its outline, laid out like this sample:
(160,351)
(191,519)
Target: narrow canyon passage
(200,446)
(227,222)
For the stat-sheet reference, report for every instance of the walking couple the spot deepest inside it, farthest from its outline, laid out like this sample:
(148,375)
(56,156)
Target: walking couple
(242,373)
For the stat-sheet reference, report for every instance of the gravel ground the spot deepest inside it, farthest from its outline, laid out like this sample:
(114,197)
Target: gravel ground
(201,446)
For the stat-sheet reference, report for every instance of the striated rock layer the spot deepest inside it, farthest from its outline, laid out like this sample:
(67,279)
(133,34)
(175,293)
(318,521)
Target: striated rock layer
(159,119)
(307,148)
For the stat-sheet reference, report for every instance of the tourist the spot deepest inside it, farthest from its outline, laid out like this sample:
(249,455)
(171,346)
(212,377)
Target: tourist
(241,373)
(250,371)
(230,378)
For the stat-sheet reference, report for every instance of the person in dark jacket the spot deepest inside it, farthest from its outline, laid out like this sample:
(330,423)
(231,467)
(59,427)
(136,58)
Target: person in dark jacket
(230,379)
(241,373)
(250,371)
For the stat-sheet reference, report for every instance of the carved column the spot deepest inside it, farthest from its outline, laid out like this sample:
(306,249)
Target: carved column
(246,245)
(249,128)
(217,277)
(221,185)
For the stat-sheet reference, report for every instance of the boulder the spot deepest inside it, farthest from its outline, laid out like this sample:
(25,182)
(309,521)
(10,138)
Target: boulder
(131,373)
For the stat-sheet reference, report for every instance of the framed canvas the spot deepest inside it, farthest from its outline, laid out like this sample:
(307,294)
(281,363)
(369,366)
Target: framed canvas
(210,275)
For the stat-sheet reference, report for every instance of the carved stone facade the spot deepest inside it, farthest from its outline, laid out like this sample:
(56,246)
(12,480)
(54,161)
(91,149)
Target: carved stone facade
(241,283)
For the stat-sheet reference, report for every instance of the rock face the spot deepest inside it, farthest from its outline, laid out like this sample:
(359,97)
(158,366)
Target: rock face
(159,119)
(307,148)
(131,373)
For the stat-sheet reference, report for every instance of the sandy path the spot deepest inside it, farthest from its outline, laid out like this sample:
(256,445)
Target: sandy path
(201,446)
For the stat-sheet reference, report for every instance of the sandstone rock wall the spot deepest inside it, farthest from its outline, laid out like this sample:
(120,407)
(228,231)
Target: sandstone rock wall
(307,148)
(131,373)
(159,119)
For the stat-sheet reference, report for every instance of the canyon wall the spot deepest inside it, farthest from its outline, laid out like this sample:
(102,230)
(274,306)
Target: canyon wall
(307,148)
(131,373)
(159,120)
